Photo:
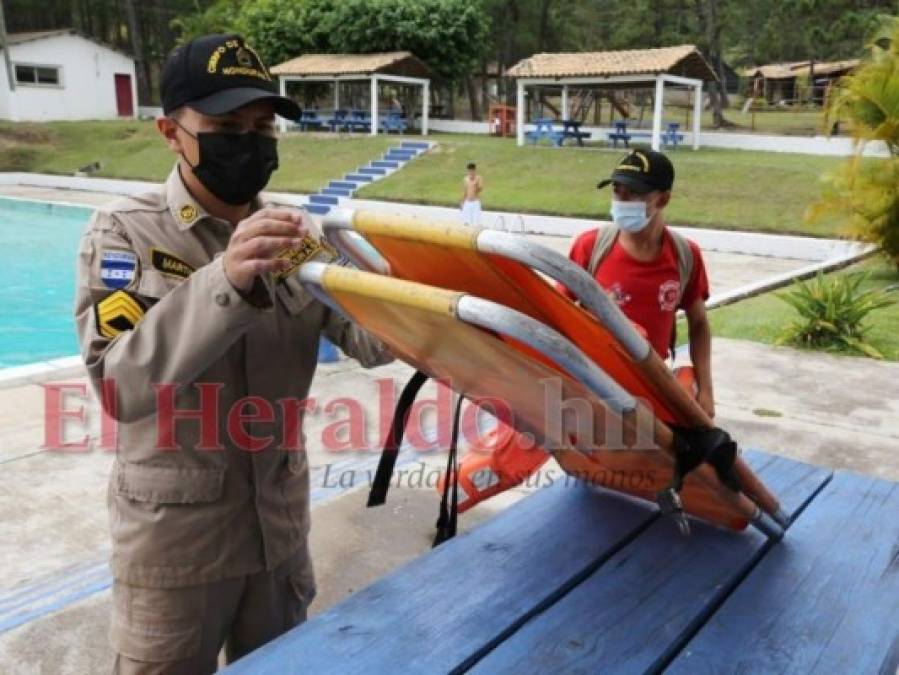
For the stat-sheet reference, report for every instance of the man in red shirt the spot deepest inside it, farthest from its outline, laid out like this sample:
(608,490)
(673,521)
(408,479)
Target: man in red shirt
(640,263)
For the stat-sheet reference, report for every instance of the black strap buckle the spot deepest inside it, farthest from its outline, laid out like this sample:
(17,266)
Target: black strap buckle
(692,447)
(670,504)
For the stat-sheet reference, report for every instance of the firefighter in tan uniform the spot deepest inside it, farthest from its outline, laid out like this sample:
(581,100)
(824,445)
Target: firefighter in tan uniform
(187,306)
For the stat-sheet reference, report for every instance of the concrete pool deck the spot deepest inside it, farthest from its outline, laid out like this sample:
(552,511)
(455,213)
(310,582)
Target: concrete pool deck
(838,412)
(828,410)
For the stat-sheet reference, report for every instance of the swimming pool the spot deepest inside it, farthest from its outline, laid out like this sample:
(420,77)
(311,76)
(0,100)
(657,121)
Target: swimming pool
(38,247)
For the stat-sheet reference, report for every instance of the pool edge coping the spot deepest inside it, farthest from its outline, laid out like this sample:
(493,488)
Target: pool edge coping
(38,372)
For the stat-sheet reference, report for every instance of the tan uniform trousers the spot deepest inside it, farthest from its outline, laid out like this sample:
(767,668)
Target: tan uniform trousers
(175,631)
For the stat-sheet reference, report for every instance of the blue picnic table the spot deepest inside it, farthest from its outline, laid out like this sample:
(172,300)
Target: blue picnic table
(393,121)
(576,579)
(546,130)
(349,120)
(358,120)
(671,135)
(572,129)
(310,120)
(338,119)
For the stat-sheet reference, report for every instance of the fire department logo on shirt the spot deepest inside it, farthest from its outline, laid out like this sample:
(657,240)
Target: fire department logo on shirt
(669,294)
(618,295)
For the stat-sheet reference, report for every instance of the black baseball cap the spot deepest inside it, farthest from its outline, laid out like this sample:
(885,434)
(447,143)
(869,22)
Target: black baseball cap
(643,171)
(216,74)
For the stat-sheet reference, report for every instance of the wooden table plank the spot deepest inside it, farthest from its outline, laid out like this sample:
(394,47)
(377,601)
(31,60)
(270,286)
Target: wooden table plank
(827,601)
(454,603)
(637,610)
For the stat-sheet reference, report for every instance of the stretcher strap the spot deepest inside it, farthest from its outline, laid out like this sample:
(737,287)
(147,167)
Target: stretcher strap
(448,518)
(696,445)
(381,483)
(692,447)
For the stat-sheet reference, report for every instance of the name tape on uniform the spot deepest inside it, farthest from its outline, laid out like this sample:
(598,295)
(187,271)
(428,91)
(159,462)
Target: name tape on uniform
(170,264)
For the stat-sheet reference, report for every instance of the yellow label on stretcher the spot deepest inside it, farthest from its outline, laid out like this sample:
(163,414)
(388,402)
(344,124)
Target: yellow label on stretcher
(310,248)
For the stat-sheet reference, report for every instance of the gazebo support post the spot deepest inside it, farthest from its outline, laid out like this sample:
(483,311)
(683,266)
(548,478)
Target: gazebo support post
(425,107)
(282,123)
(657,114)
(374,106)
(697,113)
(519,111)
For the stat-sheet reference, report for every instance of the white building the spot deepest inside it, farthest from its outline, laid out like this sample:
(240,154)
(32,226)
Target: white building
(61,75)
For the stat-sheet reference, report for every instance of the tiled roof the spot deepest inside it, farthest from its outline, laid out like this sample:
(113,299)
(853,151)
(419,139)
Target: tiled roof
(390,63)
(685,60)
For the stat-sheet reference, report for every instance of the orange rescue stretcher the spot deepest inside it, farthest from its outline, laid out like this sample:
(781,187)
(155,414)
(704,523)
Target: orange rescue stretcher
(478,309)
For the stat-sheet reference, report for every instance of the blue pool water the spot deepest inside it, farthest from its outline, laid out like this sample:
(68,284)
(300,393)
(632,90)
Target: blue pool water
(38,248)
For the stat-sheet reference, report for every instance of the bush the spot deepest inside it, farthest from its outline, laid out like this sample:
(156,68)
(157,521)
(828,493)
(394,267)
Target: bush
(832,311)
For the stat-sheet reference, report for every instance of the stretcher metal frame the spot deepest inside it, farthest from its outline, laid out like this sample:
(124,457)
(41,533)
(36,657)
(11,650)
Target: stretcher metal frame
(338,228)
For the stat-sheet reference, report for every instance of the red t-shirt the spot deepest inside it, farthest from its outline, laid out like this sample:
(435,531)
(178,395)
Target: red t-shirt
(647,292)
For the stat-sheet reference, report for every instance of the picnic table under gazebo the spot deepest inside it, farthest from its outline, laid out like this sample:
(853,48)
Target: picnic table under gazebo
(402,68)
(681,65)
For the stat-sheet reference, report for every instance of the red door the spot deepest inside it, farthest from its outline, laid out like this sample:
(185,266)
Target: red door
(124,101)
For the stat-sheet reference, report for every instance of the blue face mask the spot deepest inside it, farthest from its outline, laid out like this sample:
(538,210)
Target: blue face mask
(629,216)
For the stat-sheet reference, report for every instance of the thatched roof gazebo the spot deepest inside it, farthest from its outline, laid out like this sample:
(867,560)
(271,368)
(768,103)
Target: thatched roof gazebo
(683,65)
(396,67)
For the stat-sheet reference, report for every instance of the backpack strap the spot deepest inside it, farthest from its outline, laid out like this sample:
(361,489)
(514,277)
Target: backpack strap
(605,240)
(684,259)
(685,273)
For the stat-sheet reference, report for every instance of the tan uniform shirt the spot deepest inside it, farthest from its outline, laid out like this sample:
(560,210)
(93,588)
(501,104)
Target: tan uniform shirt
(188,514)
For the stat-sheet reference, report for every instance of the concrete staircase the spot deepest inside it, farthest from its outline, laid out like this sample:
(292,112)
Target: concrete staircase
(393,160)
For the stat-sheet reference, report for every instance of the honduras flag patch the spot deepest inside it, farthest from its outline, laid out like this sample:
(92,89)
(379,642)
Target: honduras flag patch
(118,268)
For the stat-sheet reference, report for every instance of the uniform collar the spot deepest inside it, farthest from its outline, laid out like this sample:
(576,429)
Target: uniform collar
(186,211)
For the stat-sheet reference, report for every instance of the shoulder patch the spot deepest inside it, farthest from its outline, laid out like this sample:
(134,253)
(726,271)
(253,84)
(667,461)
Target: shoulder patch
(170,264)
(118,312)
(118,268)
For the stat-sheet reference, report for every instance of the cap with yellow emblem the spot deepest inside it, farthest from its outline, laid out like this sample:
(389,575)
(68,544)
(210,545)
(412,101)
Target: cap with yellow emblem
(643,171)
(215,74)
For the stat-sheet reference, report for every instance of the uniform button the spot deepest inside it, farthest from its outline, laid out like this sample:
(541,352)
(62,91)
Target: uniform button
(222,299)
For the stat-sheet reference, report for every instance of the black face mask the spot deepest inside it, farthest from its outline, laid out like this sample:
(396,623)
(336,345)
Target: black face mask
(235,167)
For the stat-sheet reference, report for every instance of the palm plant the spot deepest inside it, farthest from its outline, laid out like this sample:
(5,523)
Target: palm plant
(866,190)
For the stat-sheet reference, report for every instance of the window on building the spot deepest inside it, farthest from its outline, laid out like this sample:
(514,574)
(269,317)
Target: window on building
(39,75)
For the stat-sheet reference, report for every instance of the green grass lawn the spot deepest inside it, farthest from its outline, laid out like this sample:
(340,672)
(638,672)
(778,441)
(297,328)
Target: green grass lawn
(731,189)
(764,317)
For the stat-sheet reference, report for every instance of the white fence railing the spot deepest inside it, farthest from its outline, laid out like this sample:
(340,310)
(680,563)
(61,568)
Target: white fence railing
(838,146)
